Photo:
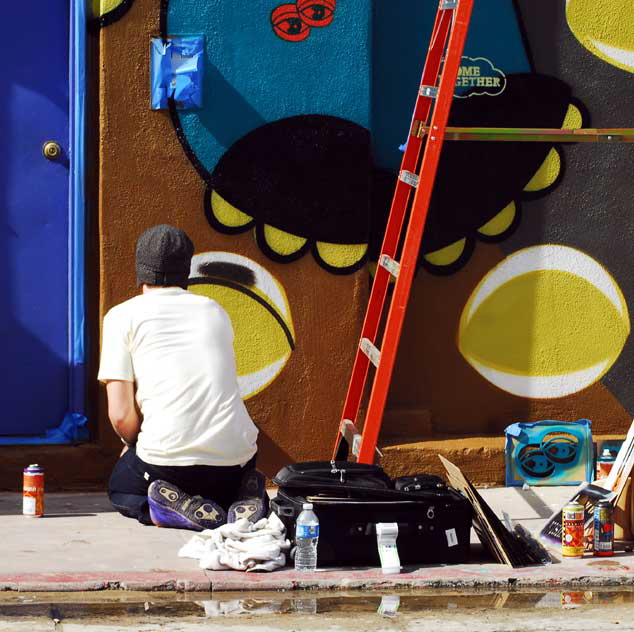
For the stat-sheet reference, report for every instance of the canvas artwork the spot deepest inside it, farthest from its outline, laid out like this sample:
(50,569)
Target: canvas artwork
(549,453)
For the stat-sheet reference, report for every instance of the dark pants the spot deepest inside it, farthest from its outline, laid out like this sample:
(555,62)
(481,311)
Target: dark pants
(131,477)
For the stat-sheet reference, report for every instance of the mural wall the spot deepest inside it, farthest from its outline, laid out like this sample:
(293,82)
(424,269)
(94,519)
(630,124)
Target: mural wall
(282,172)
(270,175)
(535,323)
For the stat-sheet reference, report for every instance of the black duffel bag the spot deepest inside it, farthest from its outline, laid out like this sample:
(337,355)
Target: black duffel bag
(350,498)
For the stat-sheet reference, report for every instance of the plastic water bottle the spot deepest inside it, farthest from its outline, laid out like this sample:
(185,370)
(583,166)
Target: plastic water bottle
(306,537)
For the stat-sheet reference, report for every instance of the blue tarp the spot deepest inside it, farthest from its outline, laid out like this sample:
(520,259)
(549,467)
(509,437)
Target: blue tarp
(177,71)
(72,429)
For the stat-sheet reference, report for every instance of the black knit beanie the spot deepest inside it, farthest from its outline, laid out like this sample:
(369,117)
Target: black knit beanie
(163,256)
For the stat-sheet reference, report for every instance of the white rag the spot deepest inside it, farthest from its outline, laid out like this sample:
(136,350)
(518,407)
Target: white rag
(241,545)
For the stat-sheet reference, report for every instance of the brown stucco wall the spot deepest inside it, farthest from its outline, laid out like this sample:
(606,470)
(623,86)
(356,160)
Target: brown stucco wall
(146,179)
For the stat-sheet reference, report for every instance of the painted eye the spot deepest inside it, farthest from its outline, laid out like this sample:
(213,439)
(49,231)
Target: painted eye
(546,322)
(320,13)
(534,462)
(288,24)
(560,447)
(600,26)
(258,307)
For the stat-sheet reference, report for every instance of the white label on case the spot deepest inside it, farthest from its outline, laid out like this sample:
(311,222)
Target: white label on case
(452,538)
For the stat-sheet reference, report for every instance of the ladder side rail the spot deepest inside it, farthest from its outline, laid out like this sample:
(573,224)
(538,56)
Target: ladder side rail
(400,200)
(414,233)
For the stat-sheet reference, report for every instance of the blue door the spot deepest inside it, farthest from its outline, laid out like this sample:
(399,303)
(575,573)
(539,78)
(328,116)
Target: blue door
(36,220)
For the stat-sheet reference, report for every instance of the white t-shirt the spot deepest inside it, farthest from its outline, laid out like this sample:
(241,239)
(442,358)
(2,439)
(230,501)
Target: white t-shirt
(178,348)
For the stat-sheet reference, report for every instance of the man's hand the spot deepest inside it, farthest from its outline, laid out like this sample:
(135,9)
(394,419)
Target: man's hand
(122,410)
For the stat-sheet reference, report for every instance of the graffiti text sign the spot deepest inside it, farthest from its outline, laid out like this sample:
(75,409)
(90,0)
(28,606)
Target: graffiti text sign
(477,76)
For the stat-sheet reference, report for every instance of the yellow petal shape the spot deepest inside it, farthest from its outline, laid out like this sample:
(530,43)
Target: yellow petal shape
(605,28)
(546,322)
(261,343)
(500,222)
(227,214)
(101,7)
(546,174)
(341,255)
(282,242)
(573,118)
(447,255)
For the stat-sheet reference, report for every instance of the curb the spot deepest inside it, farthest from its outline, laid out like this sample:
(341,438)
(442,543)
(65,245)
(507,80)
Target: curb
(88,582)
(481,576)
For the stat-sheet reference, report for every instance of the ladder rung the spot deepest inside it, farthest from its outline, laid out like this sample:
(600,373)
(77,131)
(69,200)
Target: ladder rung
(392,266)
(429,91)
(374,355)
(409,178)
(448,4)
(350,433)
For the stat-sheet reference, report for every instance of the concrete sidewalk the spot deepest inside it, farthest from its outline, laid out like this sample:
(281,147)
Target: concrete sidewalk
(81,544)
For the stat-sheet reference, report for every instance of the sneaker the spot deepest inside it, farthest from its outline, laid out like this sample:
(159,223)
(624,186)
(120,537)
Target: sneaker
(171,507)
(253,501)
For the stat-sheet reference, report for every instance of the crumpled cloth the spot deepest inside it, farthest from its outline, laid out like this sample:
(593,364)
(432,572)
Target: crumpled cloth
(241,546)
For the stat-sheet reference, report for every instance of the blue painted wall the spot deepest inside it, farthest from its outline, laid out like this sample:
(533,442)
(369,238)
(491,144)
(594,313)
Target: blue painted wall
(253,77)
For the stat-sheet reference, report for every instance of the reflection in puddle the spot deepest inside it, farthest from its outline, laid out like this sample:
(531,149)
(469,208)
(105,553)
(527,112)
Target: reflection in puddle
(190,605)
(389,605)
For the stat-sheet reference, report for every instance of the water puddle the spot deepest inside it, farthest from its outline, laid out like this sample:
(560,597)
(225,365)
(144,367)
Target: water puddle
(104,606)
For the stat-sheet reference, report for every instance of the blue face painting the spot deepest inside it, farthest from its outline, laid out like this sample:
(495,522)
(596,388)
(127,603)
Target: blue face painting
(304,107)
(254,77)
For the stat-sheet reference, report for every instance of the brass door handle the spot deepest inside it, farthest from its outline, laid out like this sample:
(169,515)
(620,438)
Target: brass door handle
(51,150)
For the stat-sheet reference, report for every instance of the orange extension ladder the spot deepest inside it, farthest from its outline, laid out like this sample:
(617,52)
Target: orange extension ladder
(418,172)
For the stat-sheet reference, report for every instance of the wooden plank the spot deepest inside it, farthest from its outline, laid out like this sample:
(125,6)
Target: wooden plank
(536,135)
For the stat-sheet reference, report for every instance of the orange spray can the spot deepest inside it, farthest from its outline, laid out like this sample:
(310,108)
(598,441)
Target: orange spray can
(33,491)
(572,533)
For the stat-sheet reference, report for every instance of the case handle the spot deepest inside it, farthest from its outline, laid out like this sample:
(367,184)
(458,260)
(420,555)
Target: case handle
(281,510)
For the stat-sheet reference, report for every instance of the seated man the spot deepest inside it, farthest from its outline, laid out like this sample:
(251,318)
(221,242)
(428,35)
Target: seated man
(168,364)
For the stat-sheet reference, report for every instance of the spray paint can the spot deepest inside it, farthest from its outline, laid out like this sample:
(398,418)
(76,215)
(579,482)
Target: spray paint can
(570,598)
(572,530)
(33,491)
(603,529)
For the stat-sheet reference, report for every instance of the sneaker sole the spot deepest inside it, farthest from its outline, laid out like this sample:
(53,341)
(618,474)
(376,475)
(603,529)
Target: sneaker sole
(253,509)
(165,500)
(169,518)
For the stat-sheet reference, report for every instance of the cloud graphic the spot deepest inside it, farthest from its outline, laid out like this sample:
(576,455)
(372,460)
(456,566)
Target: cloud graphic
(478,76)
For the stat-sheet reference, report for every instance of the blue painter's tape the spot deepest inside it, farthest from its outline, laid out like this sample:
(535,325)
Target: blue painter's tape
(77,197)
(176,70)
(73,429)
(160,72)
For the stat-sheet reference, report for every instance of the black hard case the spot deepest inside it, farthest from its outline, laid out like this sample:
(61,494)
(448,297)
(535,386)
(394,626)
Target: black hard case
(350,498)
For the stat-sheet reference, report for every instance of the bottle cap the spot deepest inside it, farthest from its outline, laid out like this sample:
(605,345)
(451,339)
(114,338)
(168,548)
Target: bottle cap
(307,506)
